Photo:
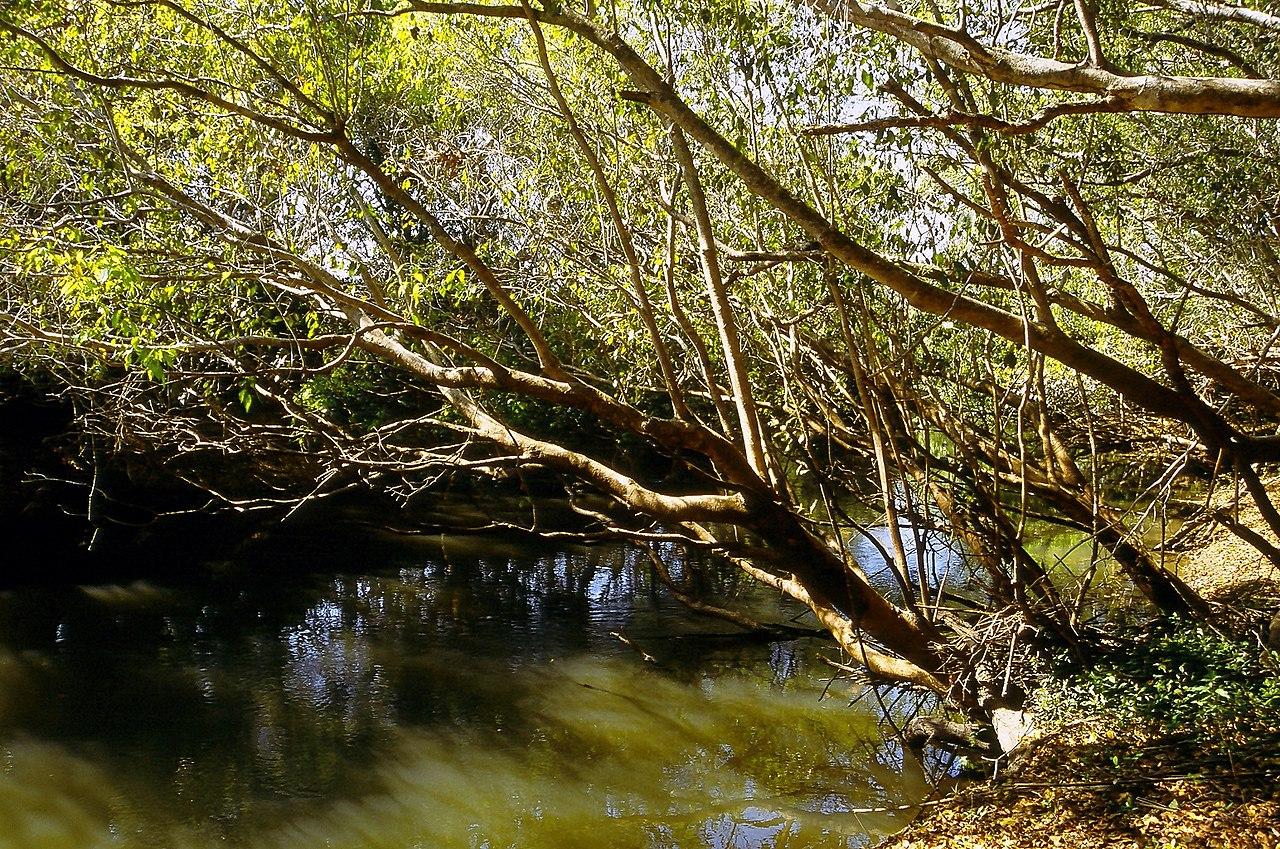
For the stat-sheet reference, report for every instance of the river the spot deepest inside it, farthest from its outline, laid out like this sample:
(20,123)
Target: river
(342,688)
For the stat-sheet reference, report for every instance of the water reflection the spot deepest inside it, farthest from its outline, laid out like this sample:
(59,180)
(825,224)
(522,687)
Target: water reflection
(935,554)
(455,693)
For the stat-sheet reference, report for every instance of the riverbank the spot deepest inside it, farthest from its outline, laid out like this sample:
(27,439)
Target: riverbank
(1097,776)
(1086,788)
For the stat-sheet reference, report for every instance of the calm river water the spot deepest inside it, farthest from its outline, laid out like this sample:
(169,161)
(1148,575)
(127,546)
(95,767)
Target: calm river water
(331,690)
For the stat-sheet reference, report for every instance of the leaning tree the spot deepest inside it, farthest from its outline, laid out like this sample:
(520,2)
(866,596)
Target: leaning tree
(953,256)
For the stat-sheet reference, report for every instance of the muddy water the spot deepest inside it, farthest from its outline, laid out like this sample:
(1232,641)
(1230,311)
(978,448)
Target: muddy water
(368,693)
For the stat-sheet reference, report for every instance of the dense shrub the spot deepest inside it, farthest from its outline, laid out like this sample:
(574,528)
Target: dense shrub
(1176,677)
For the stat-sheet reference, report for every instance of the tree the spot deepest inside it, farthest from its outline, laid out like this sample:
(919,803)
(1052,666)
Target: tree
(518,221)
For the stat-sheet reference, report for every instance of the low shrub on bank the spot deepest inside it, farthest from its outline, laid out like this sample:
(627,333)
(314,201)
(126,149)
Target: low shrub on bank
(1175,678)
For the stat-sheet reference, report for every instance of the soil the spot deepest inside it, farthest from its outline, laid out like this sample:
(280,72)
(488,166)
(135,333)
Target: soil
(1105,790)
(1224,568)
(1093,785)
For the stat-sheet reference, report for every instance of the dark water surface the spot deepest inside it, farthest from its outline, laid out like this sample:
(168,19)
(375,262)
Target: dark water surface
(329,689)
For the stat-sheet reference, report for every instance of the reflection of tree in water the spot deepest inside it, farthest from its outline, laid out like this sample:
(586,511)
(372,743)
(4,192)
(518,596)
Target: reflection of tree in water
(256,684)
(938,555)
(230,702)
(784,660)
(431,645)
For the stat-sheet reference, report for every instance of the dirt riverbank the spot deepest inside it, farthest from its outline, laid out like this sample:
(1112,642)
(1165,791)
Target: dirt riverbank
(1094,783)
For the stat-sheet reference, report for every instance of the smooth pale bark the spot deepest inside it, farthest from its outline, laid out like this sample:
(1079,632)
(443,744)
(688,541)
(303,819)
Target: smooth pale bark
(691,334)
(726,321)
(1246,98)
(1135,386)
(919,663)
(1223,12)
(675,508)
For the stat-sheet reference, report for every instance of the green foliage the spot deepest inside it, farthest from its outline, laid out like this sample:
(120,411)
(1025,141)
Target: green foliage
(359,396)
(1179,677)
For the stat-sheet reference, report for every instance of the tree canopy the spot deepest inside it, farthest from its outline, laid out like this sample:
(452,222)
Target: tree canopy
(954,258)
